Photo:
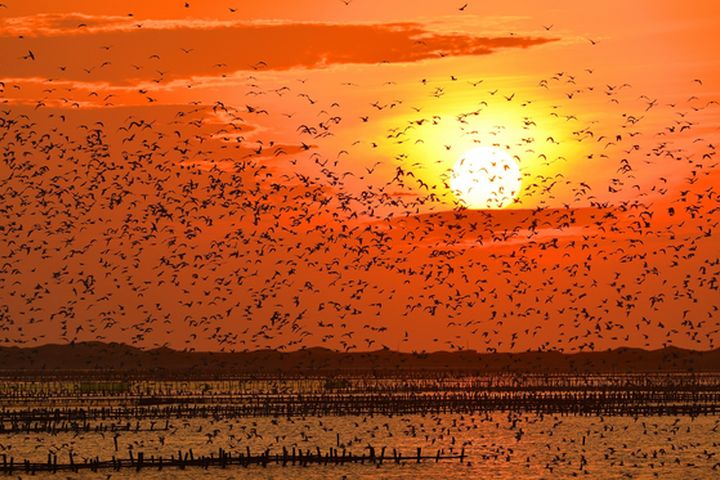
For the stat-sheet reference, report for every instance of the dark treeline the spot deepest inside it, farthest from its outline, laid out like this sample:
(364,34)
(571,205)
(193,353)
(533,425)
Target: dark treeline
(100,359)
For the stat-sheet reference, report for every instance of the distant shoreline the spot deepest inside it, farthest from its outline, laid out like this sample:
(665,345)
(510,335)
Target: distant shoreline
(97,359)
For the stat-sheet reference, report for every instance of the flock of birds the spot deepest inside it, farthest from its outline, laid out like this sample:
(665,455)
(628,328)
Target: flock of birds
(193,226)
(189,228)
(501,443)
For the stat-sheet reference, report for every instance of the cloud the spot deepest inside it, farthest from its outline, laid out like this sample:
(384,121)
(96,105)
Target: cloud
(64,24)
(123,50)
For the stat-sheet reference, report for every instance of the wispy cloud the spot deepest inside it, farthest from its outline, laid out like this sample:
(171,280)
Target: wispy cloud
(124,50)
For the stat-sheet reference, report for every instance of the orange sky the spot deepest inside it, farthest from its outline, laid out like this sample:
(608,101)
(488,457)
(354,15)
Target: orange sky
(274,174)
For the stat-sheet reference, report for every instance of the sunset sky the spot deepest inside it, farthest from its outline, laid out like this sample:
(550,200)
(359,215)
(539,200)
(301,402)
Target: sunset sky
(244,175)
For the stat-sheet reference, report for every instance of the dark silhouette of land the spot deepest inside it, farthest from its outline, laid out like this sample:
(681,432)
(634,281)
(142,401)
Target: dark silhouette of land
(96,358)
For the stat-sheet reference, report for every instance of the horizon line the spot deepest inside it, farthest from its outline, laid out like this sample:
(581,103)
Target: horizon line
(380,350)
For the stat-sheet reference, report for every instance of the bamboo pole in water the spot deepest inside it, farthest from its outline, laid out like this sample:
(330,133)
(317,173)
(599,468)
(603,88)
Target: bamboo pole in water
(223,459)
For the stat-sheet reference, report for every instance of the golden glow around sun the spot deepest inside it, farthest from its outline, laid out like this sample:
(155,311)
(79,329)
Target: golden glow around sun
(485,178)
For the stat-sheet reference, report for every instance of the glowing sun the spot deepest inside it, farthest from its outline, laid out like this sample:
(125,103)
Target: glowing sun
(485,178)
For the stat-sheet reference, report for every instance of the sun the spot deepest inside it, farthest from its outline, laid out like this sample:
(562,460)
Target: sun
(485,178)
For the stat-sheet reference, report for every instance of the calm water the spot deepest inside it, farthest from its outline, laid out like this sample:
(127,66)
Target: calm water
(497,445)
